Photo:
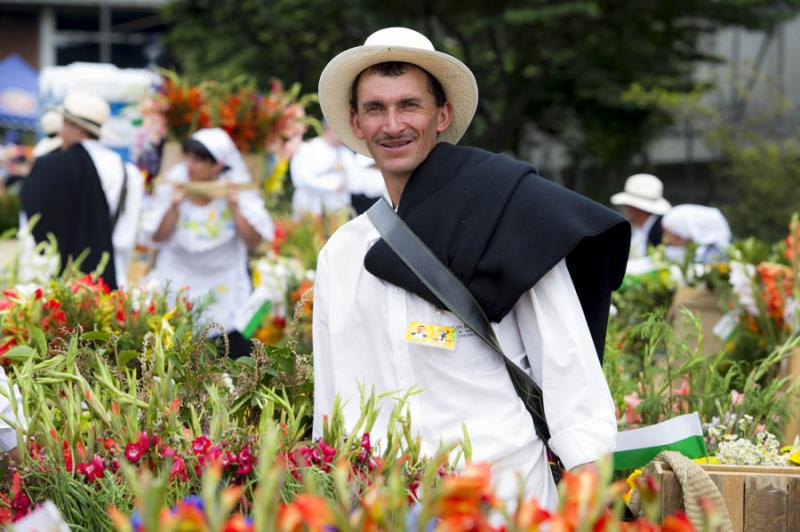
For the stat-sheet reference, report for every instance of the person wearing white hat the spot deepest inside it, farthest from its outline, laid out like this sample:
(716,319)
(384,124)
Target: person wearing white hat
(86,195)
(706,227)
(203,240)
(51,123)
(540,260)
(644,205)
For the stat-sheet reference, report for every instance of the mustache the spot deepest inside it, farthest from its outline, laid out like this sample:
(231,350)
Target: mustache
(405,137)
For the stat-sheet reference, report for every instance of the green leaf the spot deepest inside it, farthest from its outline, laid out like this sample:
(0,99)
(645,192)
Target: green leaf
(96,335)
(39,340)
(20,353)
(125,356)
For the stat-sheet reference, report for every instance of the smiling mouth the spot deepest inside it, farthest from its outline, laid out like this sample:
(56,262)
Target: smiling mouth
(394,144)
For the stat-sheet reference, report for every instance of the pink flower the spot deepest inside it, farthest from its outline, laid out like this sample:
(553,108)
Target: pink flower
(736,398)
(632,399)
(684,387)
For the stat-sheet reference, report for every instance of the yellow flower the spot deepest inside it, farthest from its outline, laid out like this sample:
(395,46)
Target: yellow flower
(632,478)
(707,460)
(795,457)
(786,449)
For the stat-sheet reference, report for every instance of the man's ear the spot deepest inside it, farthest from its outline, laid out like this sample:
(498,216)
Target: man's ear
(354,126)
(445,117)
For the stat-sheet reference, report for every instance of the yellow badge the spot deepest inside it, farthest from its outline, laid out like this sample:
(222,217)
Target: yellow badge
(431,335)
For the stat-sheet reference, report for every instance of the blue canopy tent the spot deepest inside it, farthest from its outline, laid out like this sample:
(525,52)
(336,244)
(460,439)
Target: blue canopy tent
(19,94)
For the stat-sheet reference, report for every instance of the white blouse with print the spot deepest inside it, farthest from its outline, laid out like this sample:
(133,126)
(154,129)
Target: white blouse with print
(205,253)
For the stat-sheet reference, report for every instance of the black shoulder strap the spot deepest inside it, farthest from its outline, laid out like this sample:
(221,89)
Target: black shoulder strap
(123,196)
(452,292)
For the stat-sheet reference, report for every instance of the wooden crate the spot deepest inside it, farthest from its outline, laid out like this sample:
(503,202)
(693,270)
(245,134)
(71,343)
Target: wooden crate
(758,498)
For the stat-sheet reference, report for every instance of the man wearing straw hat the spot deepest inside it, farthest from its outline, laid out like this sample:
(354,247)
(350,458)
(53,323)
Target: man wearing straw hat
(87,196)
(644,205)
(539,260)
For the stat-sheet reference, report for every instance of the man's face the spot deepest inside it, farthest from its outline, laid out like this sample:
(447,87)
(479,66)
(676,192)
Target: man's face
(637,217)
(72,134)
(398,119)
(201,169)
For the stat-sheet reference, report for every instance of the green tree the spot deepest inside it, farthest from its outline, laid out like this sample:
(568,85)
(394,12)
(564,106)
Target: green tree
(563,65)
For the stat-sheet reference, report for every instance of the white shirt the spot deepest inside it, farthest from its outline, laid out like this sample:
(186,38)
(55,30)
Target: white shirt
(205,253)
(639,235)
(319,177)
(360,323)
(109,167)
(363,177)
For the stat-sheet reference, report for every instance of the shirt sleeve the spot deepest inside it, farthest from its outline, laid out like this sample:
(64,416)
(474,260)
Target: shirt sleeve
(577,401)
(324,394)
(251,205)
(8,432)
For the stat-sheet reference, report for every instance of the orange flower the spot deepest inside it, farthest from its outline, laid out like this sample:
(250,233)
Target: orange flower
(530,515)
(306,513)
(677,523)
(466,496)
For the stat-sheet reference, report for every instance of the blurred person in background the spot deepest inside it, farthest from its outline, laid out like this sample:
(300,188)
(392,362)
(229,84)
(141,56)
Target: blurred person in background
(87,196)
(364,182)
(643,205)
(203,239)
(17,168)
(319,175)
(706,227)
(51,123)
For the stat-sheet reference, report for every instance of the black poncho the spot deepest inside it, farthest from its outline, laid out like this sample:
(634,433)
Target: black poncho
(65,189)
(500,227)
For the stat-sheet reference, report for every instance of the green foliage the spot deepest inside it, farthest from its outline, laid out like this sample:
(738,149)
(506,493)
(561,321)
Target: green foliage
(10,206)
(564,66)
(668,377)
(758,172)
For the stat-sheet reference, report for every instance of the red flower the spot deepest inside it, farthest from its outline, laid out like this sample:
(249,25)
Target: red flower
(5,347)
(200,445)
(133,452)
(178,469)
(38,293)
(93,470)
(21,503)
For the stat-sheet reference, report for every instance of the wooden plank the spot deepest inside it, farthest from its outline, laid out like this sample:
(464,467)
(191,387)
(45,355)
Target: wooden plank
(731,487)
(765,500)
(793,505)
(758,470)
(671,494)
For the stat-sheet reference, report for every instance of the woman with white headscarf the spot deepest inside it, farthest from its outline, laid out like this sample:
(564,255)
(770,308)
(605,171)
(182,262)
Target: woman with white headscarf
(203,241)
(704,226)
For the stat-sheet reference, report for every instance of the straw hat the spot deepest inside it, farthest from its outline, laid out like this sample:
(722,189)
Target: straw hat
(402,45)
(645,192)
(87,111)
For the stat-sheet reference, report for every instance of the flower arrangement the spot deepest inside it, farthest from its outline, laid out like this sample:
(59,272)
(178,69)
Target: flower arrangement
(259,123)
(664,380)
